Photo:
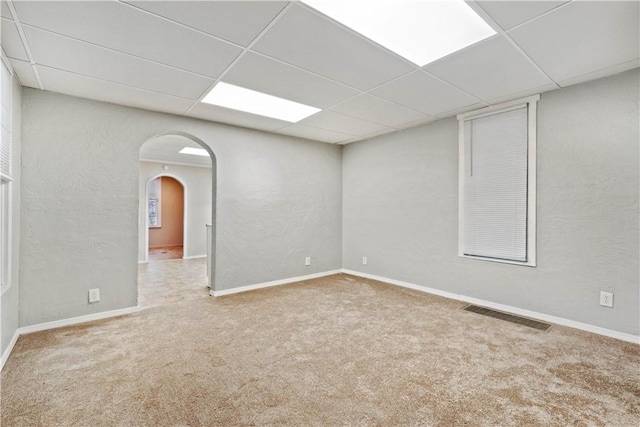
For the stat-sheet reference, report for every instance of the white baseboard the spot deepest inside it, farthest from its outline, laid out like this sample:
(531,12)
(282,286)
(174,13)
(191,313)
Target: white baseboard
(273,283)
(60,323)
(506,308)
(75,320)
(9,348)
(194,256)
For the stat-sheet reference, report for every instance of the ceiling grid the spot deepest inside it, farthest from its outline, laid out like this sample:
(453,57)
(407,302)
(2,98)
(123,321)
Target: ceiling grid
(167,56)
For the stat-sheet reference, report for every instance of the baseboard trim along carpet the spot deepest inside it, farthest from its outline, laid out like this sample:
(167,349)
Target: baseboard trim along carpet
(506,308)
(223,292)
(9,348)
(64,322)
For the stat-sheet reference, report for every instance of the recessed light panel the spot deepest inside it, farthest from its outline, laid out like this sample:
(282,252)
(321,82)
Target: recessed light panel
(418,30)
(251,101)
(194,151)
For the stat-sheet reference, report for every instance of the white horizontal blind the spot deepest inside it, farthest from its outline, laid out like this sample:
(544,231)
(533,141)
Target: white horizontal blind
(5,119)
(495,186)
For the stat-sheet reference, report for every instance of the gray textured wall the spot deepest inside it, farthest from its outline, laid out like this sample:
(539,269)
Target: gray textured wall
(9,309)
(197,209)
(278,200)
(400,209)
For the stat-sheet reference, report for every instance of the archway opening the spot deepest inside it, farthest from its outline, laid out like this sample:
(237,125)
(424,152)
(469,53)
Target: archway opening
(176,239)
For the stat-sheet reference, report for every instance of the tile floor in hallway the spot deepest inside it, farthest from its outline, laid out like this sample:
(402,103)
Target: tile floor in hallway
(171,281)
(162,253)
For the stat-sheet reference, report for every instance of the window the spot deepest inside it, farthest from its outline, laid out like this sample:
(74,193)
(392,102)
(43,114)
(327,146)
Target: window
(6,180)
(154,193)
(497,183)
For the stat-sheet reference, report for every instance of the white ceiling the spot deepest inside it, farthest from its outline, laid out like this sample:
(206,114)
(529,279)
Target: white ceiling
(166,56)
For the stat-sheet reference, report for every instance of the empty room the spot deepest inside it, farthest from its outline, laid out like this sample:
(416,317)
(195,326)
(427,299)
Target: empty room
(320,212)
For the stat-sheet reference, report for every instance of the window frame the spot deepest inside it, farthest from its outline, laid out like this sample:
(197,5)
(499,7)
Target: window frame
(6,204)
(531,103)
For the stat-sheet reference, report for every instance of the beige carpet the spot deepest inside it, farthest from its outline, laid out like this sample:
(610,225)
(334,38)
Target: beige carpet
(333,351)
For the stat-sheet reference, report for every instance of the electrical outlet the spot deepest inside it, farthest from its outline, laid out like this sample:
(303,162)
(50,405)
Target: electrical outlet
(364,260)
(307,261)
(606,299)
(94,295)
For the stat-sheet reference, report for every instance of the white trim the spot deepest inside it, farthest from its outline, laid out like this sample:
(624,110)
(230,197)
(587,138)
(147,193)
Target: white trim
(493,109)
(7,63)
(194,256)
(9,349)
(61,323)
(166,162)
(4,287)
(531,103)
(506,308)
(75,320)
(215,293)
(143,262)
(532,174)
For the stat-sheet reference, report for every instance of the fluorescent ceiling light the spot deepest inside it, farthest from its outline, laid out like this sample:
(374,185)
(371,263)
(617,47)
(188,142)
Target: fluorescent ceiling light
(418,30)
(194,151)
(251,101)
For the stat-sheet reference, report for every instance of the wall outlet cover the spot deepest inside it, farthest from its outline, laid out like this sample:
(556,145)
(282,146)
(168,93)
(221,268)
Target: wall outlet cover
(94,295)
(606,299)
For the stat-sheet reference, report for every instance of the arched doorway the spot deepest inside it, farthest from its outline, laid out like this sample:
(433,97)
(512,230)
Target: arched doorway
(187,160)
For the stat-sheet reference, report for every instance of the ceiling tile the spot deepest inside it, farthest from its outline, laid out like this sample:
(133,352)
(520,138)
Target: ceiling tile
(316,134)
(582,37)
(267,75)
(522,94)
(378,133)
(235,117)
(11,42)
(340,123)
(427,119)
(100,90)
(138,33)
(374,109)
(600,73)
(508,14)
(237,21)
(72,55)
(460,110)
(424,93)
(25,73)
(5,10)
(488,70)
(303,38)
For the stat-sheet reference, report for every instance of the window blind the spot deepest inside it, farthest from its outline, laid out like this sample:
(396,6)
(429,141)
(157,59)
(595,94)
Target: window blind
(495,185)
(5,121)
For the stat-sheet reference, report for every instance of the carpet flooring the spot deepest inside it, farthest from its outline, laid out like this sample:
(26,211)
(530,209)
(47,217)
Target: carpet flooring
(339,350)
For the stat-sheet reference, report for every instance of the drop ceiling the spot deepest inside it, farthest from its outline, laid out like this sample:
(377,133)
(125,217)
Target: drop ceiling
(166,56)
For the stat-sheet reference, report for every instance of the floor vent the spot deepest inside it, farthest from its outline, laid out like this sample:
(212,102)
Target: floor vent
(508,317)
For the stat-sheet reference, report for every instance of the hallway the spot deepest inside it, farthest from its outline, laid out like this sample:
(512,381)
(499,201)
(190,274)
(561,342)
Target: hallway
(171,281)
(164,253)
